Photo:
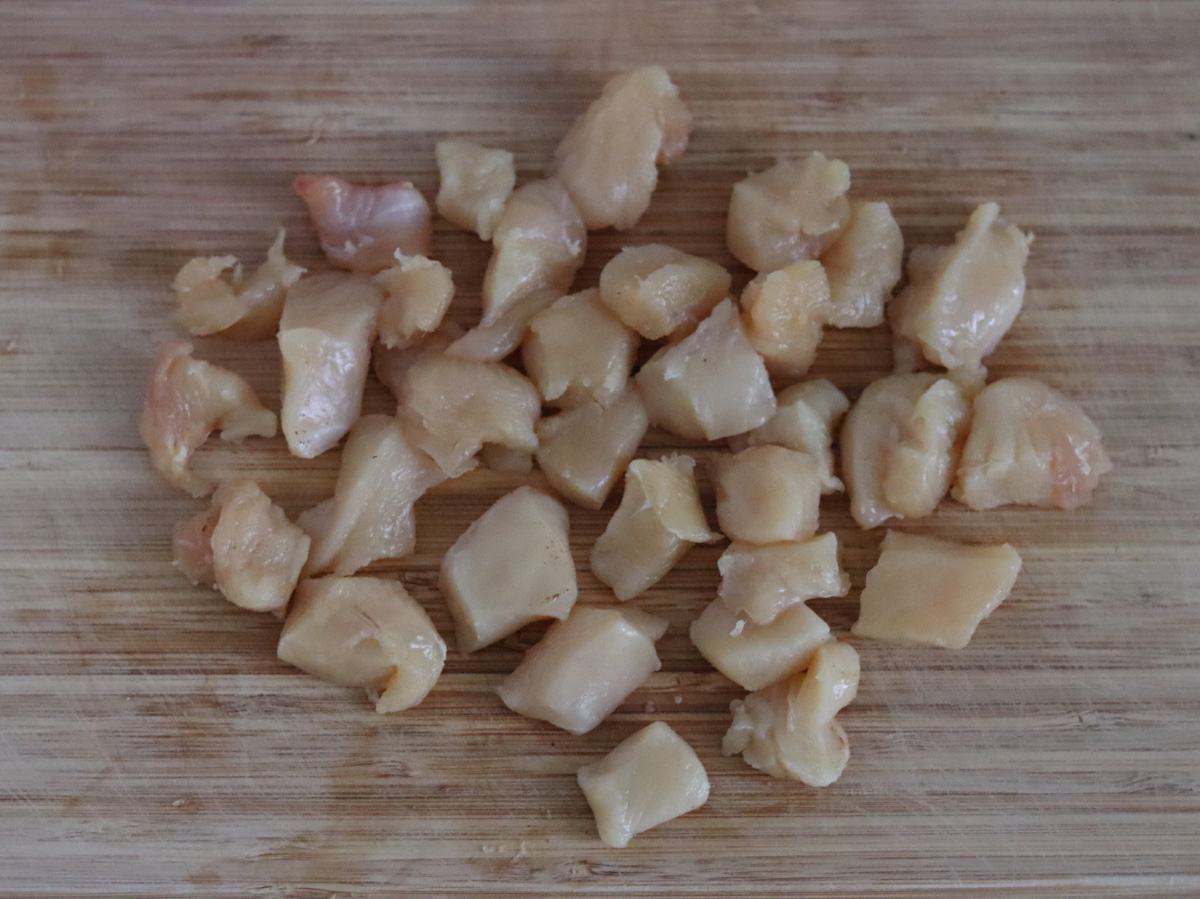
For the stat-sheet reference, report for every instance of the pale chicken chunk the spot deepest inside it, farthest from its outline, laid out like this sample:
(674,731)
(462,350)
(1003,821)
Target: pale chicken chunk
(1030,445)
(585,667)
(660,291)
(491,343)
(767,494)
(364,632)
(495,457)
(784,313)
(933,592)
(759,582)
(755,655)
(186,400)
(475,183)
(647,780)
(863,266)
(609,159)
(417,293)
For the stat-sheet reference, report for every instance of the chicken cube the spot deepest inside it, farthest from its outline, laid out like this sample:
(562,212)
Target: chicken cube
(495,457)
(475,183)
(767,494)
(784,313)
(491,343)
(761,581)
(863,266)
(417,293)
(755,655)
(660,291)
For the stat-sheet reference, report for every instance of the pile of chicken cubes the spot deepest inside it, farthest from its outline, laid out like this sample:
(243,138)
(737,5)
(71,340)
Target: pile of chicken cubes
(475,397)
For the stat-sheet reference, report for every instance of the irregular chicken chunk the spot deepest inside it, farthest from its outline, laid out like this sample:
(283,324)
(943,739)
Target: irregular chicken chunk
(1031,445)
(475,183)
(712,384)
(761,581)
(784,313)
(609,159)
(788,213)
(491,343)
(656,524)
(788,729)
(767,494)
(186,400)
(755,655)
(364,632)
(510,568)
(863,266)
(495,457)
(325,338)
(585,667)
(659,291)
(933,592)
(363,228)
(648,779)
(417,294)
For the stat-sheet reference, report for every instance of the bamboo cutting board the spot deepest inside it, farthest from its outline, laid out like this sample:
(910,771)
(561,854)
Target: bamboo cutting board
(153,746)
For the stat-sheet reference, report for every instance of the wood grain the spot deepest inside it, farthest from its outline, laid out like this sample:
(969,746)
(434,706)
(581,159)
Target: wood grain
(153,746)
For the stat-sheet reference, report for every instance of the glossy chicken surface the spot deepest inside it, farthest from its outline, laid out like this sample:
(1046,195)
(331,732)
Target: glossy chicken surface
(761,581)
(493,342)
(767,494)
(660,291)
(784,313)
(863,266)
(417,293)
(475,183)
(756,655)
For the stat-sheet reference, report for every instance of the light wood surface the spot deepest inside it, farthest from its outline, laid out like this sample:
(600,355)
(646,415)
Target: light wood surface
(152,745)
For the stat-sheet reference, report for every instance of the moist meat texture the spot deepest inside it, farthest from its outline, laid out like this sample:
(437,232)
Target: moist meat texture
(475,183)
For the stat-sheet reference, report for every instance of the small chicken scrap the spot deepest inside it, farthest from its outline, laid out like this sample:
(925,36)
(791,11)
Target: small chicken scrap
(417,293)
(863,266)
(761,581)
(475,183)
(757,655)
(660,291)
(784,313)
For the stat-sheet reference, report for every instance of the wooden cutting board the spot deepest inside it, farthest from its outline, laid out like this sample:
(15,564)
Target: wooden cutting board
(152,745)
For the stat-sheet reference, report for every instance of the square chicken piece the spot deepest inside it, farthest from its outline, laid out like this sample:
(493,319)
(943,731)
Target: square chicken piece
(784,313)
(768,494)
(660,291)
(475,183)
(755,655)
(761,581)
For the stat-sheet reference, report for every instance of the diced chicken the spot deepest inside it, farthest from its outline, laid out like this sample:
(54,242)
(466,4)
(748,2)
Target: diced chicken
(417,293)
(475,183)
(325,338)
(863,266)
(234,306)
(900,445)
(648,779)
(491,343)
(1030,445)
(660,291)
(585,667)
(767,494)
(186,400)
(510,568)
(364,632)
(790,212)
(712,384)
(583,451)
(784,313)
(576,351)
(933,592)
(391,365)
(759,582)
(609,159)
(363,228)
(788,729)
(495,457)
(656,524)
(191,548)
(755,655)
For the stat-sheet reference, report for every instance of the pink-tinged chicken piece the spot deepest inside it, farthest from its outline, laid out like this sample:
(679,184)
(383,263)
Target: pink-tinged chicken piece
(1029,445)
(325,337)
(660,291)
(417,293)
(756,655)
(760,582)
(784,314)
(186,400)
(362,228)
(863,266)
(475,183)
(609,158)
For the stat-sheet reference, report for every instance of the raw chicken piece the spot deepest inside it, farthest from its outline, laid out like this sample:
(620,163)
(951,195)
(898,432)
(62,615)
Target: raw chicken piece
(186,400)
(495,457)
(767,494)
(584,667)
(656,524)
(582,451)
(648,779)
(712,384)
(863,265)
(1030,445)
(784,313)
(364,632)
(788,729)
(363,228)
(788,213)
(755,655)
(933,592)
(491,343)
(510,568)
(191,548)
(962,298)
(325,338)
(608,160)
(417,293)
(234,306)
(761,581)
(475,183)
(660,291)
(576,351)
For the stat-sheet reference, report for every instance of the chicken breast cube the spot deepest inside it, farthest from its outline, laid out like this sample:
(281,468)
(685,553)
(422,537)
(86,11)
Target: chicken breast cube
(791,211)
(609,159)
(755,655)
(511,567)
(364,632)
(234,306)
(583,451)
(475,183)
(900,445)
(577,351)
(961,299)
(186,400)
(648,779)
(417,293)
(585,667)
(495,457)
(784,313)
(933,592)
(761,581)
(658,291)
(362,228)
(1031,445)
(788,729)
(863,266)
(767,494)
(491,343)
(711,384)
(656,524)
